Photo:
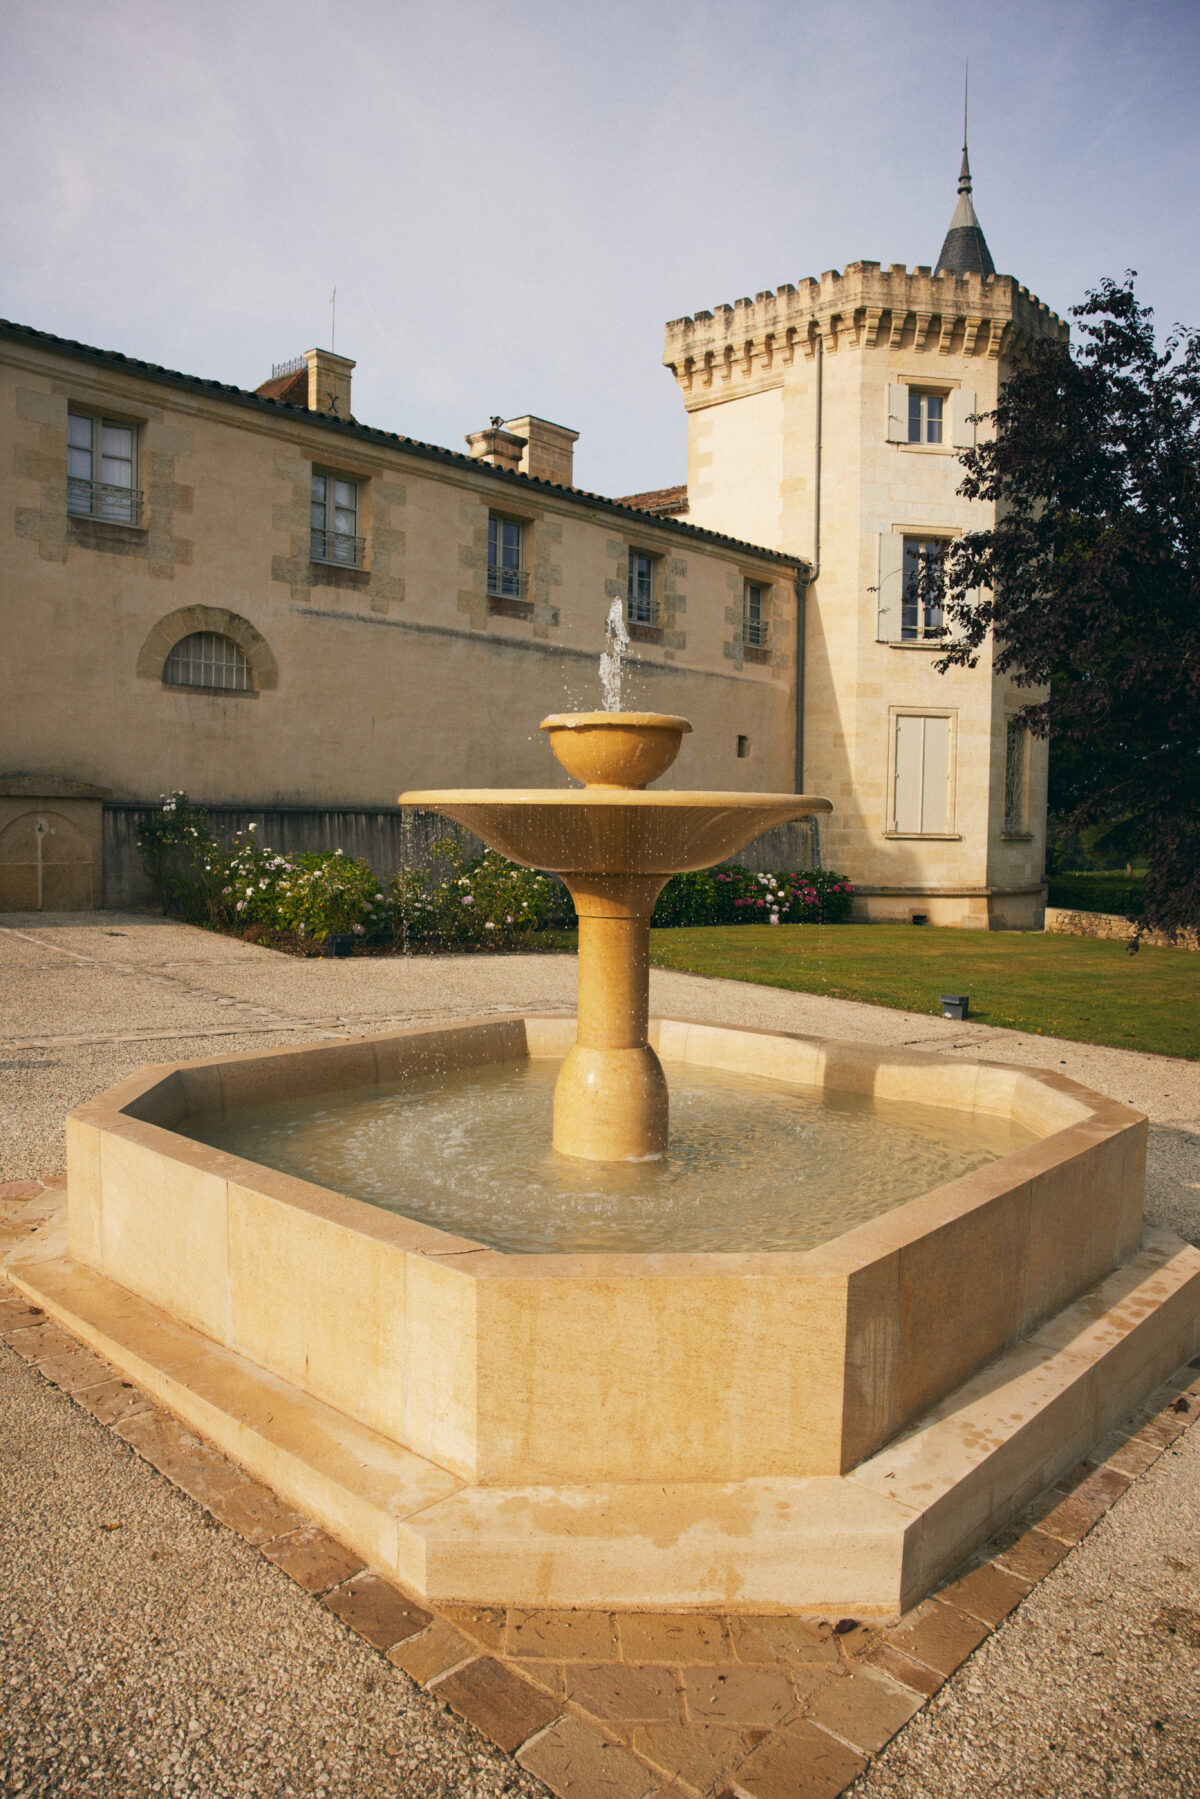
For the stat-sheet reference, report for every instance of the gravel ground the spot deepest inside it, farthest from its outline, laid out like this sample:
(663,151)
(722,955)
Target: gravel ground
(146,1650)
(1086,1690)
(177,1661)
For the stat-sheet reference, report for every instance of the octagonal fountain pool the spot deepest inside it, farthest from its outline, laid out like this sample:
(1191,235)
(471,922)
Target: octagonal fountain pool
(802,1340)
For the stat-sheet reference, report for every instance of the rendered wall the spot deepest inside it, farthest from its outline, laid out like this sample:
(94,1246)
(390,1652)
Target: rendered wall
(367,682)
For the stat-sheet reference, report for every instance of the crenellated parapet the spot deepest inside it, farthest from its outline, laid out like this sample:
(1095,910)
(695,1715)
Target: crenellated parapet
(753,341)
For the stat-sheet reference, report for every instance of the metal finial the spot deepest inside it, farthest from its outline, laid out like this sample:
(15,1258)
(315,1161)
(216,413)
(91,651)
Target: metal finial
(964,178)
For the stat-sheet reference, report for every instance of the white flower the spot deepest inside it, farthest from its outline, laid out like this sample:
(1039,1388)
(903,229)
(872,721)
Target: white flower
(774,918)
(489,926)
(227,890)
(252,827)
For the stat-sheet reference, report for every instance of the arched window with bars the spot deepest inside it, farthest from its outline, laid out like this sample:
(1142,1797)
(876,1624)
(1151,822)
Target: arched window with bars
(207,659)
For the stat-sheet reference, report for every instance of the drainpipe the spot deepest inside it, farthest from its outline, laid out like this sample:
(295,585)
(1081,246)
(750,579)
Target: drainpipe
(803,583)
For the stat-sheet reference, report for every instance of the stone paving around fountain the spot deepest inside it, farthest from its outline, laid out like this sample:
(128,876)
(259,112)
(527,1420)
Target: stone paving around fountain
(728,1705)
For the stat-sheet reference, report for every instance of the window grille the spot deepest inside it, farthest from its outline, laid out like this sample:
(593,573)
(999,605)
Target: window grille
(924,577)
(754,616)
(639,601)
(506,579)
(206,659)
(1014,778)
(334,534)
(101,470)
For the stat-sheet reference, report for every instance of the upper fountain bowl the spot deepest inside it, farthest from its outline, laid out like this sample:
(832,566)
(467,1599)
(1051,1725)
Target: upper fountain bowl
(615,749)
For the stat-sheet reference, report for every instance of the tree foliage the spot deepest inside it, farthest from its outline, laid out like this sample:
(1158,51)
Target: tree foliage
(1088,583)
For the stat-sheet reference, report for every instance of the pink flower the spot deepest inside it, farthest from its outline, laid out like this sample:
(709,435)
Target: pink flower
(360,930)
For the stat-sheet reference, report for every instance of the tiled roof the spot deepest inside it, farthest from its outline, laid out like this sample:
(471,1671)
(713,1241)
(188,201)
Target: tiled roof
(324,421)
(662,501)
(291,389)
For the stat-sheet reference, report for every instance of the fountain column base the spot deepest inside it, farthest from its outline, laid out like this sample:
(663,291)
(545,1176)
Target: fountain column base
(610,1105)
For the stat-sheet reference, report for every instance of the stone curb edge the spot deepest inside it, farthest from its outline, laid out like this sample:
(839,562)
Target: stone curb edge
(887,1674)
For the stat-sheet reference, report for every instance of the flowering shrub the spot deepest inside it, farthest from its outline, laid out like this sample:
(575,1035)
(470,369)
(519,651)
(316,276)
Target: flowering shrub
(486,901)
(483,902)
(736,895)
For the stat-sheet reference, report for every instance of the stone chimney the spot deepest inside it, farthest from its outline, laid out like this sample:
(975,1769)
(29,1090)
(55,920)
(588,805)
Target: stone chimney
(500,448)
(319,381)
(329,382)
(549,449)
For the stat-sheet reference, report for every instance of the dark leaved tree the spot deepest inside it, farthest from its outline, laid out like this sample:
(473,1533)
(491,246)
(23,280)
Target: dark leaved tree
(1089,581)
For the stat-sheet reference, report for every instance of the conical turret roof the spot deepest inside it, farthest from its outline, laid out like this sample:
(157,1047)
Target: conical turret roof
(965,250)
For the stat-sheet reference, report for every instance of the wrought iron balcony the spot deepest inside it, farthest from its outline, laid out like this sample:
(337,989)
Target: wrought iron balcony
(103,500)
(756,634)
(336,546)
(507,583)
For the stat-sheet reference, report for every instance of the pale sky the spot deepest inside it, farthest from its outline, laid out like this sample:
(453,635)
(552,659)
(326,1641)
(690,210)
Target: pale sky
(513,196)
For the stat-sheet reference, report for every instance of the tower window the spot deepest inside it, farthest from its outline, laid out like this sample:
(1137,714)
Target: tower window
(924,417)
(1014,779)
(924,577)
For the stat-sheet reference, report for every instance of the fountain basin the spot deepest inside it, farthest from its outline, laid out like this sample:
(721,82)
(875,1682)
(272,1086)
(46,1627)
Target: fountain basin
(832,1428)
(686,1367)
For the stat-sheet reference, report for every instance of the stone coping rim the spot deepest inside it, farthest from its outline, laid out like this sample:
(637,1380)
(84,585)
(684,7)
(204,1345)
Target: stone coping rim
(857,1247)
(660,799)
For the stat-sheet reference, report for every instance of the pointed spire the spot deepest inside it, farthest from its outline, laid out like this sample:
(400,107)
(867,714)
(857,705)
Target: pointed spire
(965,250)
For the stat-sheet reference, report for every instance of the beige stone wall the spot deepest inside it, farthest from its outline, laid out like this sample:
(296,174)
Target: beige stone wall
(365,682)
(792,391)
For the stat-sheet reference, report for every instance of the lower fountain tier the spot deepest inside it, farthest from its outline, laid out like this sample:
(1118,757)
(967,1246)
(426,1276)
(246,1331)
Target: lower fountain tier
(615,832)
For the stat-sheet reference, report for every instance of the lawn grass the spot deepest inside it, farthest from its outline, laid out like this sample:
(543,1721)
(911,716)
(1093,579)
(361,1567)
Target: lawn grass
(1081,988)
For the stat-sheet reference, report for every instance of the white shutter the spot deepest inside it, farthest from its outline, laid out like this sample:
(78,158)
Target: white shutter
(962,404)
(910,755)
(935,785)
(890,590)
(921,802)
(897,414)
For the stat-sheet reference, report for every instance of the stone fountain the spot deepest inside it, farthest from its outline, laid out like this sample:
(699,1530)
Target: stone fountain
(831,1429)
(615,846)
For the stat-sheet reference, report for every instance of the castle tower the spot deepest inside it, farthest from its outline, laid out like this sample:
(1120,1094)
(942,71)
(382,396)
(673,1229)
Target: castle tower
(824,419)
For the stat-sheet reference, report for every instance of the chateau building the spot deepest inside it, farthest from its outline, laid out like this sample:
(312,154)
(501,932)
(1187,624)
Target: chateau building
(293,616)
(827,417)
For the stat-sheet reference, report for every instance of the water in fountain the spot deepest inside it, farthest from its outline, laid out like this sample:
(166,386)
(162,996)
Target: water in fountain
(616,644)
(754,1163)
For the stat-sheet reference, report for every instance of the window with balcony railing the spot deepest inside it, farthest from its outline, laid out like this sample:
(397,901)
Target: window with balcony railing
(755,626)
(102,470)
(506,579)
(334,523)
(641,606)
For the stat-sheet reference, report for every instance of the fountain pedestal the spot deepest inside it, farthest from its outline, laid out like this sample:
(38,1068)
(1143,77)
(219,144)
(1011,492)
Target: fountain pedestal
(615,846)
(610,1099)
